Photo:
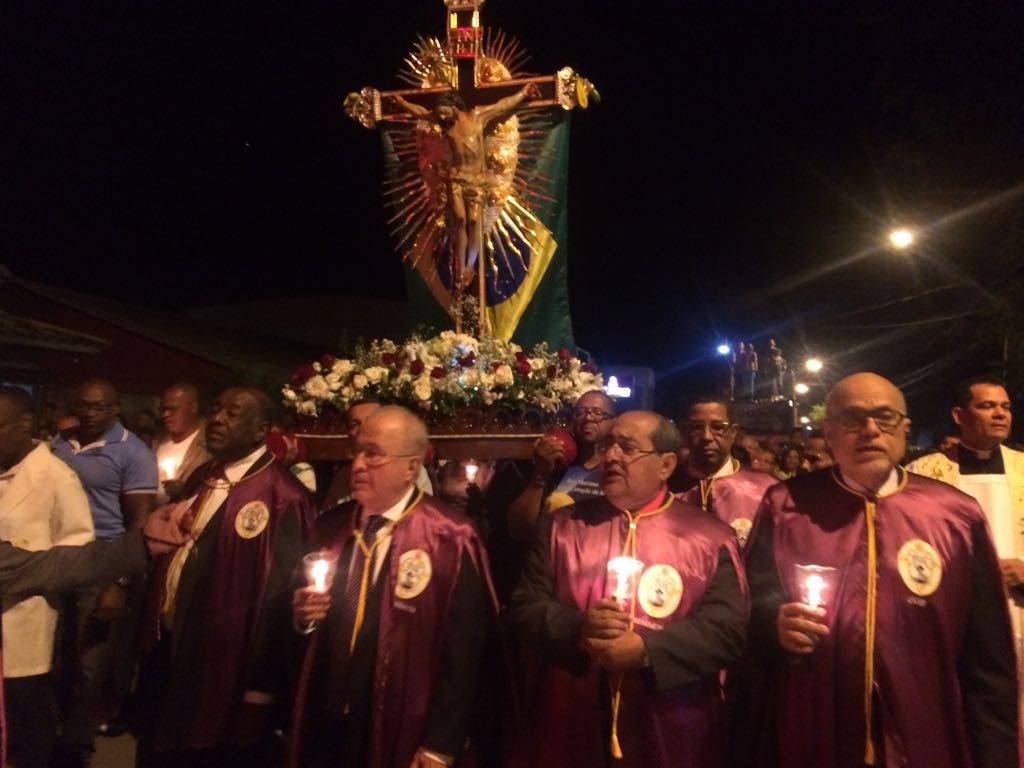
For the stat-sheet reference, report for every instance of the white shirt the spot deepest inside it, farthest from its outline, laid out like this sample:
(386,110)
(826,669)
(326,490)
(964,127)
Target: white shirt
(383,535)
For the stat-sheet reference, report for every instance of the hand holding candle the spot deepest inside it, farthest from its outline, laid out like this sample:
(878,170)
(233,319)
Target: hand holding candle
(801,625)
(169,467)
(310,604)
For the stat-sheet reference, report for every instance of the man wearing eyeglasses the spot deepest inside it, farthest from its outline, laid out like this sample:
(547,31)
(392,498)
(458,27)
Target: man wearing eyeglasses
(391,670)
(553,483)
(633,663)
(208,692)
(902,655)
(712,479)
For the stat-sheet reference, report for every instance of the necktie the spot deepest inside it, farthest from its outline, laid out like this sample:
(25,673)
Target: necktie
(360,575)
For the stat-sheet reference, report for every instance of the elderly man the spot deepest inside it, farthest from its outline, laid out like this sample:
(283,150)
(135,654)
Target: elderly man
(391,671)
(202,704)
(713,480)
(647,649)
(553,483)
(181,449)
(902,655)
(42,505)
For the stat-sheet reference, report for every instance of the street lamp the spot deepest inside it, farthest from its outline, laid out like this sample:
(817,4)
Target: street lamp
(813,364)
(801,388)
(901,238)
(723,349)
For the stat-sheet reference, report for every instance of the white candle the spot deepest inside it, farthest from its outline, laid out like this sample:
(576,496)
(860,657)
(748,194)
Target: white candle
(319,573)
(622,577)
(471,469)
(815,585)
(169,467)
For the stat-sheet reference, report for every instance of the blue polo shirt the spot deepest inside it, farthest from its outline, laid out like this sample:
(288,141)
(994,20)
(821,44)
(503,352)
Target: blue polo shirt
(116,463)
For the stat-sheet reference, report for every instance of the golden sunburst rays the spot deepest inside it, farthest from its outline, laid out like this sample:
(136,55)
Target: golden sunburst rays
(417,163)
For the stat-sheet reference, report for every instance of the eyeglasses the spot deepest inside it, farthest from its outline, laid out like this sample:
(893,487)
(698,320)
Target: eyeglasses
(717,428)
(374,457)
(629,450)
(855,419)
(591,414)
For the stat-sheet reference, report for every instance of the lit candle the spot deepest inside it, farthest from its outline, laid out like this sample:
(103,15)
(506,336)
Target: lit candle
(320,567)
(623,573)
(169,467)
(471,469)
(816,584)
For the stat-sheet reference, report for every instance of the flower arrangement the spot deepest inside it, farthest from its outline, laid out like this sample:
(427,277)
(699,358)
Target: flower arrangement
(440,377)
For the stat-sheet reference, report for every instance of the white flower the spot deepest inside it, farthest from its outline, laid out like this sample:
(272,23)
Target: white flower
(341,367)
(423,389)
(471,378)
(317,387)
(375,373)
(289,394)
(538,363)
(306,408)
(359,381)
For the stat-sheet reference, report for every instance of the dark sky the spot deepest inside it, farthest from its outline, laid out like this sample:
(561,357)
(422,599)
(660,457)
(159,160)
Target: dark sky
(735,181)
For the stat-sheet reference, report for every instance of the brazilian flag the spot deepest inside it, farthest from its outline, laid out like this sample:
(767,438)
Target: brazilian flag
(527,281)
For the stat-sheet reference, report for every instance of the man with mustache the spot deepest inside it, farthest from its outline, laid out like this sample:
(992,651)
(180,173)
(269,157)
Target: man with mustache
(640,668)
(905,658)
(712,479)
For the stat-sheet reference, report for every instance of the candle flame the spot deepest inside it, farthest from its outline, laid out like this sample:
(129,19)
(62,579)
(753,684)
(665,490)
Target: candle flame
(169,466)
(319,574)
(471,469)
(815,586)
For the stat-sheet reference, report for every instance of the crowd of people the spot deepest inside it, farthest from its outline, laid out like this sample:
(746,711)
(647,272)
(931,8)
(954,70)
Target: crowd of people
(643,592)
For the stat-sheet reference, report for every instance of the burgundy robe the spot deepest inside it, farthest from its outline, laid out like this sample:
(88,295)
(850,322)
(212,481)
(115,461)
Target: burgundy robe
(411,631)
(222,593)
(945,691)
(734,498)
(669,714)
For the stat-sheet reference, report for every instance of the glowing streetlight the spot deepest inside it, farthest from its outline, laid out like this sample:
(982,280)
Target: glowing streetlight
(723,349)
(813,364)
(801,388)
(901,238)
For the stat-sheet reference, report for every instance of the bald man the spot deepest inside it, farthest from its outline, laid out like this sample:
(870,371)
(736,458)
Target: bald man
(907,660)
(391,671)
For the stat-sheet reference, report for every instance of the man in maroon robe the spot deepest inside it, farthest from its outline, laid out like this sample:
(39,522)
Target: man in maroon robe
(712,479)
(629,671)
(206,692)
(902,656)
(391,669)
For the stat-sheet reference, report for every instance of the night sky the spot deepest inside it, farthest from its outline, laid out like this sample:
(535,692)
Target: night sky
(736,181)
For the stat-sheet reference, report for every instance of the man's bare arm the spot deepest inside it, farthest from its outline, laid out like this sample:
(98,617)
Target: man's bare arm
(509,103)
(408,106)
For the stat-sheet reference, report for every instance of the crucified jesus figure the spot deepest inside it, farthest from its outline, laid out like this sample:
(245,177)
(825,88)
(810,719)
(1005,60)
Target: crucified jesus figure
(464,131)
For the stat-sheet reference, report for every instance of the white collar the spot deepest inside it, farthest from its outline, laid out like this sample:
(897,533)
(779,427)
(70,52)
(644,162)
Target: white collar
(395,511)
(889,487)
(236,470)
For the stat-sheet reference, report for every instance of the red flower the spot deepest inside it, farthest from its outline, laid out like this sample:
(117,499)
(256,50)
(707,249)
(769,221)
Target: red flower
(523,365)
(303,374)
(552,371)
(327,361)
(564,355)
(495,365)
(388,358)
(437,372)
(468,360)
(416,367)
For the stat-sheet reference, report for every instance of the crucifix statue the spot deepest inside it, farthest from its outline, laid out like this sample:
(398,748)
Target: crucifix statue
(453,184)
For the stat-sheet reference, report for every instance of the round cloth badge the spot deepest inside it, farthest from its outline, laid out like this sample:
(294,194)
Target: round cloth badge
(660,590)
(252,519)
(920,567)
(741,527)
(414,572)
